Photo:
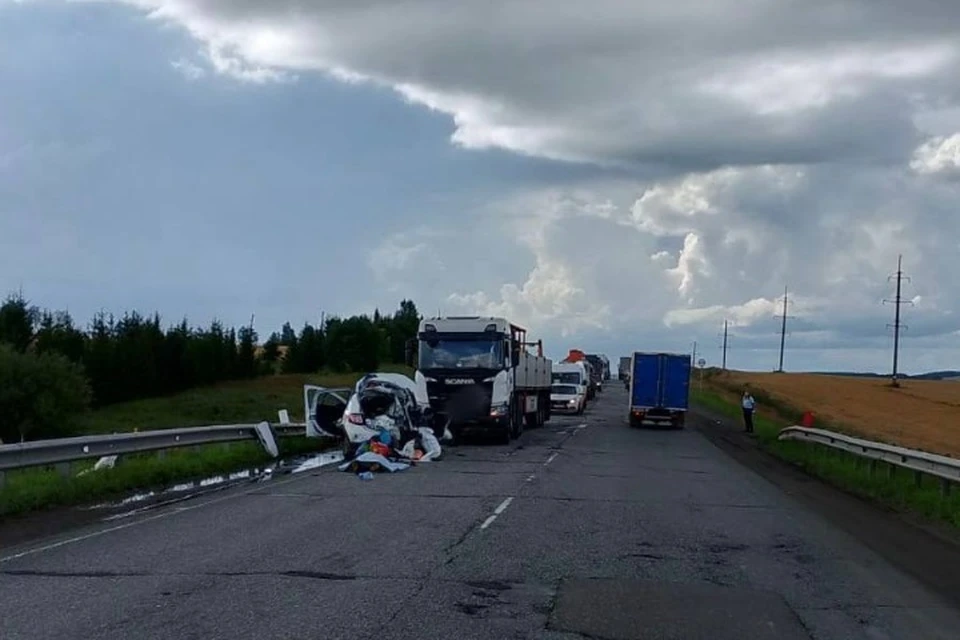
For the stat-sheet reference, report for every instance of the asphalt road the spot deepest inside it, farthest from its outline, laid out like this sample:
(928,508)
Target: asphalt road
(583,529)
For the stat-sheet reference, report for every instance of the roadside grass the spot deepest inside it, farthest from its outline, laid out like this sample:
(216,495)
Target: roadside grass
(247,401)
(894,488)
(42,488)
(243,401)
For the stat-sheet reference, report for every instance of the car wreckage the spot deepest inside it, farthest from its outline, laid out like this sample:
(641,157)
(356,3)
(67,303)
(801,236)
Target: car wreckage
(381,414)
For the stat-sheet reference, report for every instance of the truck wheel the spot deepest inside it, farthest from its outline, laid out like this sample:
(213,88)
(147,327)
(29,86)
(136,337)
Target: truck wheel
(504,434)
(517,423)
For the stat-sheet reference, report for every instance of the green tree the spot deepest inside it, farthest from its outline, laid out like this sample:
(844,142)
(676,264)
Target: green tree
(270,354)
(56,334)
(311,349)
(98,360)
(176,369)
(17,321)
(287,335)
(404,326)
(246,366)
(41,395)
(353,345)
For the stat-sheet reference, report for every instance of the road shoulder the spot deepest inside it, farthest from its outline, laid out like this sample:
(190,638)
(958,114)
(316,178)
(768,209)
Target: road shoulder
(927,551)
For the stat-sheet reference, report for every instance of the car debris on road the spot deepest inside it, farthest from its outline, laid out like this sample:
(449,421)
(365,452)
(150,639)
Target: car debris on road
(384,429)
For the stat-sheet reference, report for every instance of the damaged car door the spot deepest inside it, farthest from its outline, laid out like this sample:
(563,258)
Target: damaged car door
(324,409)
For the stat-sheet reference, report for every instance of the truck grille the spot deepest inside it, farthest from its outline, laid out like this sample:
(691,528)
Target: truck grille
(462,402)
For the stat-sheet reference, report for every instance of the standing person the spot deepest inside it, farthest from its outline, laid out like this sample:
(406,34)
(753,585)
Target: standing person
(748,404)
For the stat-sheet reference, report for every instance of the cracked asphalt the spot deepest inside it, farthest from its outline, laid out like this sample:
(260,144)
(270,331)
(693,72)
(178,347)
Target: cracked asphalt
(582,529)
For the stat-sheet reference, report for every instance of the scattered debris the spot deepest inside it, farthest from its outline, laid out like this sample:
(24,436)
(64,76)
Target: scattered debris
(384,429)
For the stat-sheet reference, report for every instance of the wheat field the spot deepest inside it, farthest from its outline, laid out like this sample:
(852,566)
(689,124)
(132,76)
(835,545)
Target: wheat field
(921,414)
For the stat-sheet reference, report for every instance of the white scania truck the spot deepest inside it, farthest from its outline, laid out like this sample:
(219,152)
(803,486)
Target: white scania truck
(478,374)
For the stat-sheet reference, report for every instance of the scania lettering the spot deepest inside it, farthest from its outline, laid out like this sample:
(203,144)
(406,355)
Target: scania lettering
(477,373)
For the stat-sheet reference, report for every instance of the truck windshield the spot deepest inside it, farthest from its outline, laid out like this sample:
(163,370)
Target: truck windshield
(459,354)
(569,377)
(563,390)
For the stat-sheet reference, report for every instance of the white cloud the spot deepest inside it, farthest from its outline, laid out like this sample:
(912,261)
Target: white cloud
(939,155)
(773,143)
(694,83)
(677,258)
(188,69)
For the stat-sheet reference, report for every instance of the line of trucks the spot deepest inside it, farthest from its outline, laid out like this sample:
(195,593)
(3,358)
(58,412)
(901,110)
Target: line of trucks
(478,373)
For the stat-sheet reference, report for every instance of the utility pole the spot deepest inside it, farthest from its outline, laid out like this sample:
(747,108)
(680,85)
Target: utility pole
(693,358)
(897,302)
(783,329)
(723,366)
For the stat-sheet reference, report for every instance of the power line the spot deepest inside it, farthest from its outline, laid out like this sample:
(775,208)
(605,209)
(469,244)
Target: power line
(897,302)
(783,328)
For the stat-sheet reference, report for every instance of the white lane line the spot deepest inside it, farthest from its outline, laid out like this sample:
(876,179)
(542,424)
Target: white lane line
(531,477)
(165,514)
(550,459)
(496,512)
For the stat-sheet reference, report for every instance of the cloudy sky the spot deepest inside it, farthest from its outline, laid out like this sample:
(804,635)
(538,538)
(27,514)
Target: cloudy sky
(614,175)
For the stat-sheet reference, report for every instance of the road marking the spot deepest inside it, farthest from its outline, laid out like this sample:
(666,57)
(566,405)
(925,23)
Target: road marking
(496,512)
(165,514)
(550,459)
(531,477)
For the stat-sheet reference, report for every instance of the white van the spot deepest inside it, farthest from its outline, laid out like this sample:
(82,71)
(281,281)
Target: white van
(574,373)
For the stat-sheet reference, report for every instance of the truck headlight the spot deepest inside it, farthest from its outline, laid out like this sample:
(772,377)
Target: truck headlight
(499,409)
(572,403)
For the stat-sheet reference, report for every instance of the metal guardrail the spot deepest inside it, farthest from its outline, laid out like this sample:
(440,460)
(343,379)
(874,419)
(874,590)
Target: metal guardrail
(945,468)
(66,450)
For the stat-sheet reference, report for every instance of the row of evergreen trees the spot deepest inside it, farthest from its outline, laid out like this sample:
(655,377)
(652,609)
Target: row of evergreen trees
(48,365)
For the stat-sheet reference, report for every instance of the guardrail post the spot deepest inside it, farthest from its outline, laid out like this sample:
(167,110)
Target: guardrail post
(917,479)
(3,479)
(64,469)
(945,486)
(873,466)
(891,470)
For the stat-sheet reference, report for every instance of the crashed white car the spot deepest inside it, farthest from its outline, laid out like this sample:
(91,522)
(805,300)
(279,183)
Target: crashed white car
(378,402)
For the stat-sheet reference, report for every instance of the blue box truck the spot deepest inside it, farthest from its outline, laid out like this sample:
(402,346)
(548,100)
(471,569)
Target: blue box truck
(659,388)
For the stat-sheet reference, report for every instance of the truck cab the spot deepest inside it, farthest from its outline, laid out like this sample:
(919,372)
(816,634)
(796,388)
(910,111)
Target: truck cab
(477,374)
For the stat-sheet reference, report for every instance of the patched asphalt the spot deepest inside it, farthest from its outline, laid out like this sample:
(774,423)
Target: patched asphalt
(595,531)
